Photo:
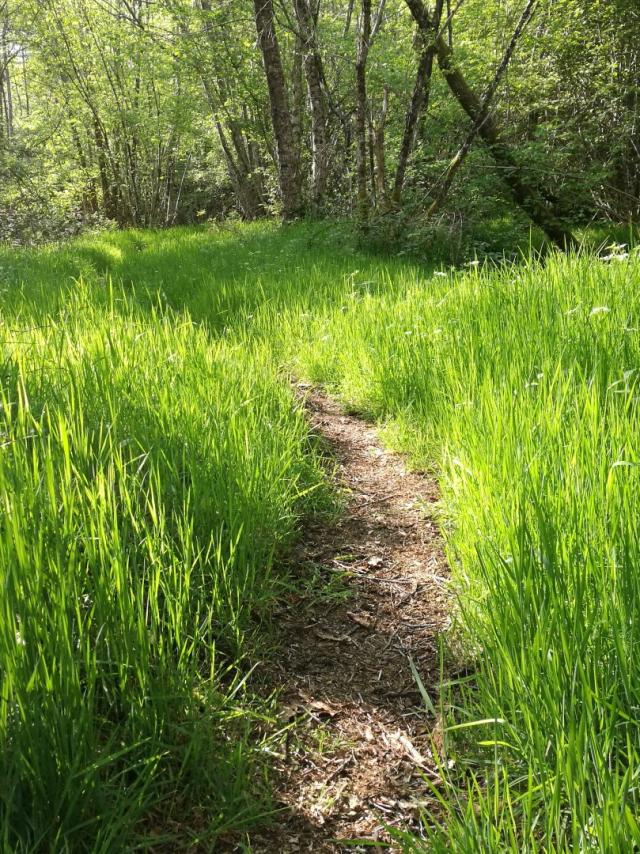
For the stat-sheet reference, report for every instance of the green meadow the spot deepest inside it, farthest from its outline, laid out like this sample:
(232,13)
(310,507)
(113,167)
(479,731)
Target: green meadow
(155,468)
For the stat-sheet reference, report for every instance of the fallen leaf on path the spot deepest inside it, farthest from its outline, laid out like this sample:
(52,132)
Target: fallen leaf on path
(324,708)
(361,619)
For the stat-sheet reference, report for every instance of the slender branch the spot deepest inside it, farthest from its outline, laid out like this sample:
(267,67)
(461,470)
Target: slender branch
(483,113)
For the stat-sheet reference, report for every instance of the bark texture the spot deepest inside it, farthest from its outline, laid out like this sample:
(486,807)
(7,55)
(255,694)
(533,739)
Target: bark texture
(281,119)
(418,104)
(379,151)
(364,37)
(314,74)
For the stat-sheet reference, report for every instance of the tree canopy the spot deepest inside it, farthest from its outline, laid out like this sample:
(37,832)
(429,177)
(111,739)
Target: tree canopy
(156,112)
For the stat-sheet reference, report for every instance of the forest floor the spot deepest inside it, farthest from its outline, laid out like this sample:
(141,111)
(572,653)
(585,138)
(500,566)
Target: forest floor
(359,746)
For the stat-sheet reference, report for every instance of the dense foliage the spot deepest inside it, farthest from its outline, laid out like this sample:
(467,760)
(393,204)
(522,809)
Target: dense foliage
(155,113)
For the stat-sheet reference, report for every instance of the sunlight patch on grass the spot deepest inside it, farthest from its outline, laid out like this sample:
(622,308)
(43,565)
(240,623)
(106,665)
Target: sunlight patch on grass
(154,464)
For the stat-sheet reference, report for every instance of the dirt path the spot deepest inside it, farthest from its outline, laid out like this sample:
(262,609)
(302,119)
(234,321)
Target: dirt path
(357,755)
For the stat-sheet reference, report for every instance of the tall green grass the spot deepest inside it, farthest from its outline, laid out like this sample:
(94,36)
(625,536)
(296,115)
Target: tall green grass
(148,476)
(521,385)
(155,462)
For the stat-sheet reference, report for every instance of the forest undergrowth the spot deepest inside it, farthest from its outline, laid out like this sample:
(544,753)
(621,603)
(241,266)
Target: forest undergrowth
(155,466)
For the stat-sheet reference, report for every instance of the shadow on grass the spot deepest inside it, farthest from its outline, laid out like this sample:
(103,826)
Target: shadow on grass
(219,275)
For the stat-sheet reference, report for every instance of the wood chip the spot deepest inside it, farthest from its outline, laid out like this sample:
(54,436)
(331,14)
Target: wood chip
(363,620)
(358,744)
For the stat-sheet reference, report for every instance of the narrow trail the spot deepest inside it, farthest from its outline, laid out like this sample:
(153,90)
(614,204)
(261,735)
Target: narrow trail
(359,749)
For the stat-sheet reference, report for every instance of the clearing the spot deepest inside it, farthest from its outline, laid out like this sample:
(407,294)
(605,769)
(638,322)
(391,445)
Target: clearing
(162,501)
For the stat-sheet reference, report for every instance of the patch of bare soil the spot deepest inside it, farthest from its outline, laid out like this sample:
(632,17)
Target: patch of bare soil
(358,753)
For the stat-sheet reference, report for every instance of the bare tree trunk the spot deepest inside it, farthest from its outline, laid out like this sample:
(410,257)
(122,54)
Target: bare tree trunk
(297,94)
(371,176)
(8,94)
(419,103)
(3,129)
(314,76)
(89,194)
(379,127)
(626,173)
(25,82)
(525,192)
(235,173)
(6,98)
(347,23)
(109,196)
(288,155)
(362,194)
